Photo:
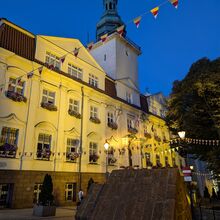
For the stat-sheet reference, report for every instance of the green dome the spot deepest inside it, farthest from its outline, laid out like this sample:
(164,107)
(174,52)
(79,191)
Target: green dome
(110,20)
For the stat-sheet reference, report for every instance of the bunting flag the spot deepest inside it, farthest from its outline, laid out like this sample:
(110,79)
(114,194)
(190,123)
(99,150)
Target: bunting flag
(90,46)
(62,59)
(40,69)
(51,66)
(174,3)
(154,11)
(137,21)
(30,74)
(104,38)
(120,30)
(76,52)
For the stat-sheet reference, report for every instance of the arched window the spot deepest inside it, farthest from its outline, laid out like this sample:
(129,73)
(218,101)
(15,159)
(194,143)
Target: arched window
(113,6)
(106,6)
(110,5)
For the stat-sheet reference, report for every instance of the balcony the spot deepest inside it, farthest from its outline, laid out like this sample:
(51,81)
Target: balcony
(48,106)
(74,114)
(113,125)
(16,97)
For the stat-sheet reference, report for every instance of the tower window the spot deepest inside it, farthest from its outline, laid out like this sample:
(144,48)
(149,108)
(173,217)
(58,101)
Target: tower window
(110,5)
(106,6)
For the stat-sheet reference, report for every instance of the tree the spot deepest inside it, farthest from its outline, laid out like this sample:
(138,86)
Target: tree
(206,193)
(46,196)
(194,106)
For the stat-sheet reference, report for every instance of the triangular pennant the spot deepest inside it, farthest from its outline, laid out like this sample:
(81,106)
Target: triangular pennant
(51,66)
(137,21)
(104,38)
(62,59)
(76,52)
(90,46)
(174,3)
(40,69)
(30,74)
(154,11)
(120,30)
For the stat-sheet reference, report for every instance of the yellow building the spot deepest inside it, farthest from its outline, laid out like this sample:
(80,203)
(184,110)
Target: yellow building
(58,107)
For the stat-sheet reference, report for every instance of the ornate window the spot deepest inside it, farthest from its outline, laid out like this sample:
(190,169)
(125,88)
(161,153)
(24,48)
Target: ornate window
(52,60)
(75,71)
(110,117)
(16,86)
(74,105)
(93,152)
(131,124)
(71,149)
(44,146)
(93,80)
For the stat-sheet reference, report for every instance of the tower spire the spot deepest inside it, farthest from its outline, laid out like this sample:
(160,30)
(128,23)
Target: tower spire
(110,20)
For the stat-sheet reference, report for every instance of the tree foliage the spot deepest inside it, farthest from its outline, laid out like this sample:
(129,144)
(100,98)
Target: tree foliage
(46,196)
(194,106)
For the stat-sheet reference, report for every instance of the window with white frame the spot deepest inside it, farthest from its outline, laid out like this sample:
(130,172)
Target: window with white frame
(110,117)
(48,97)
(70,191)
(53,60)
(74,105)
(93,112)
(93,80)
(71,148)
(128,97)
(130,122)
(75,71)
(37,191)
(16,85)
(9,136)
(44,145)
(93,152)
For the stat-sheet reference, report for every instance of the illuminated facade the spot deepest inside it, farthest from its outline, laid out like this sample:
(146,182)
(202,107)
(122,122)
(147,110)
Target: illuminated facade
(57,106)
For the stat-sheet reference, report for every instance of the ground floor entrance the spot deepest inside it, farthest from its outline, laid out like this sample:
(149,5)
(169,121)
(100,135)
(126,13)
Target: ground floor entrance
(6,191)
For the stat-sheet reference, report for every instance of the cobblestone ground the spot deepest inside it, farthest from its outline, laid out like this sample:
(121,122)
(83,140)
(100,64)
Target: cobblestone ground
(62,213)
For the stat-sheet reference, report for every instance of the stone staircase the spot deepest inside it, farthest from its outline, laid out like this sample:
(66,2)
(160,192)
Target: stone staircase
(137,194)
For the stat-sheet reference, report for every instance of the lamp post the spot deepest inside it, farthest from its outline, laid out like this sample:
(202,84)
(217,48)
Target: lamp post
(106,146)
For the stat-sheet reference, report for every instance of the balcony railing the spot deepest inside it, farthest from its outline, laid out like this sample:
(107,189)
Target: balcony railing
(8,151)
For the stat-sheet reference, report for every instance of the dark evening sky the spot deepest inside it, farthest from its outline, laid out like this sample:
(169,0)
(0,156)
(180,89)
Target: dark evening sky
(170,44)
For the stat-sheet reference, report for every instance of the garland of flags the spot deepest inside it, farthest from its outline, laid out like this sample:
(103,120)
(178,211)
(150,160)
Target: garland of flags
(136,21)
(196,141)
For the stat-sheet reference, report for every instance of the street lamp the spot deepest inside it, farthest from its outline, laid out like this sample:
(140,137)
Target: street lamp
(182,134)
(106,146)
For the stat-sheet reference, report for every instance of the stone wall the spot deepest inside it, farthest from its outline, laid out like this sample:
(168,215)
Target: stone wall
(138,194)
(23,185)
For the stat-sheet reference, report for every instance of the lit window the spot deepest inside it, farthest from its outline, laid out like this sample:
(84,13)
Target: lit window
(110,117)
(16,86)
(93,80)
(9,136)
(128,97)
(44,146)
(53,60)
(70,192)
(74,105)
(93,112)
(48,97)
(75,71)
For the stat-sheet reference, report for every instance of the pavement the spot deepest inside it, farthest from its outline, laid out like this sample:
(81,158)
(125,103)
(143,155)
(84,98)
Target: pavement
(62,213)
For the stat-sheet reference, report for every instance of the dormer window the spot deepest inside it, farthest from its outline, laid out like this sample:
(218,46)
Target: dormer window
(93,80)
(52,60)
(128,97)
(75,71)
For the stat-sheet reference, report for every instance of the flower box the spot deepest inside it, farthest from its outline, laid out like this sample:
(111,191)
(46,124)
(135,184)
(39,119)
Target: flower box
(132,130)
(112,125)
(93,158)
(15,96)
(74,114)
(43,154)
(147,135)
(48,106)
(72,156)
(8,150)
(95,120)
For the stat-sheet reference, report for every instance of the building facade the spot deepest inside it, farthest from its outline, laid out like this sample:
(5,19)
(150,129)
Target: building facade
(59,104)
